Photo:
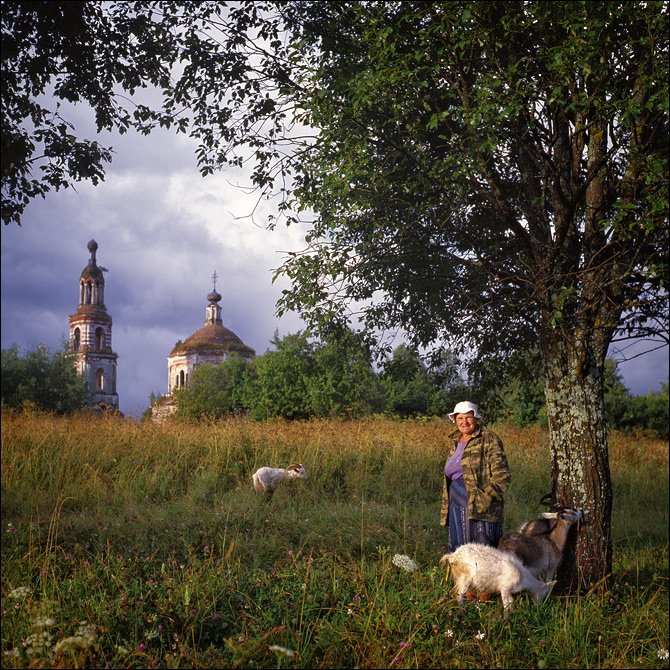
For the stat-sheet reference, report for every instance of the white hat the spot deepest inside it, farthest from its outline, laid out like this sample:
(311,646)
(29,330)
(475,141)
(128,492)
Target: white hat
(463,408)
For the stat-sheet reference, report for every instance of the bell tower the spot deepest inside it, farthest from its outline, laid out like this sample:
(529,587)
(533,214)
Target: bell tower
(91,336)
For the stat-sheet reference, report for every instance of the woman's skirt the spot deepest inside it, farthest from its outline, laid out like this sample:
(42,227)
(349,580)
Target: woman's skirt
(463,530)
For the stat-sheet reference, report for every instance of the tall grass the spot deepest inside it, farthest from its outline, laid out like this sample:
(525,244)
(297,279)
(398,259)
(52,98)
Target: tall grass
(153,536)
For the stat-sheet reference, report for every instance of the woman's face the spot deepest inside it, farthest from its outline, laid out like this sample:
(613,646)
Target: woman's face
(466,423)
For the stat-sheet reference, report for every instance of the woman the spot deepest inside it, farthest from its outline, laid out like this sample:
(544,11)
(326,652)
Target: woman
(476,476)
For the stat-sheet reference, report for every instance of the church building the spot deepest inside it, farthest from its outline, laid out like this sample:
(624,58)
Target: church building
(213,343)
(91,336)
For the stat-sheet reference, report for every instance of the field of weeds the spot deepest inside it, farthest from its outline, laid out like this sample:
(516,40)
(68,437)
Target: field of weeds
(132,545)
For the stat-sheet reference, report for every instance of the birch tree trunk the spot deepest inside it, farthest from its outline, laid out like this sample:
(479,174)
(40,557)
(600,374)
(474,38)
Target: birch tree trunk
(580,461)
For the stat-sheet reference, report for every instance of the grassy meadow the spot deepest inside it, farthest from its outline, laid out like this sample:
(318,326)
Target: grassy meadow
(135,545)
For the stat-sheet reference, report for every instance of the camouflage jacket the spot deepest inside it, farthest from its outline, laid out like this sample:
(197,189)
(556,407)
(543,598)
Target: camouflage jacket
(485,473)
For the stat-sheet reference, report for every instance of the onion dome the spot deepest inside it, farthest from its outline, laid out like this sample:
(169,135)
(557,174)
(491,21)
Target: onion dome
(92,271)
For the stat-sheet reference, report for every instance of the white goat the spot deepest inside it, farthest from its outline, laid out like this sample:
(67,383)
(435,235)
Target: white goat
(266,479)
(542,551)
(483,568)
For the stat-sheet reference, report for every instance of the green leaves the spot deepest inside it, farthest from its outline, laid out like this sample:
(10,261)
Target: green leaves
(36,376)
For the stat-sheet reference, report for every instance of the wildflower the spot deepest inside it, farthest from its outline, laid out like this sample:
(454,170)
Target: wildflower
(350,612)
(282,650)
(663,654)
(480,635)
(449,632)
(19,592)
(404,562)
(38,644)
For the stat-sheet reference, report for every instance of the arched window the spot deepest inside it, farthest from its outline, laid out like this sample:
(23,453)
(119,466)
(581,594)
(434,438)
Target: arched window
(100,379)
(181,378)
(76,340)
(99,338)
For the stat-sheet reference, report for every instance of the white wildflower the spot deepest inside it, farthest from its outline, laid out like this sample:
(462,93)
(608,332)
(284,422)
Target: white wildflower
(38,644)
(480,635)
(19,592)
(83,640)
(88,631)
(663,654)
(282,650)
(405,562)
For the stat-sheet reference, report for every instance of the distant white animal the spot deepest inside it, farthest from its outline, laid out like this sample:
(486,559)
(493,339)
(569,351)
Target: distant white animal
(485,569)
(266,479)
(541,546)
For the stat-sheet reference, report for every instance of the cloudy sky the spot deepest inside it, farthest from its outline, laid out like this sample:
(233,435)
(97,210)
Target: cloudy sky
(163,230)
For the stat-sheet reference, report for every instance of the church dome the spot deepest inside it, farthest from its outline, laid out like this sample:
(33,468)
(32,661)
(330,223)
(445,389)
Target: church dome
(213,338)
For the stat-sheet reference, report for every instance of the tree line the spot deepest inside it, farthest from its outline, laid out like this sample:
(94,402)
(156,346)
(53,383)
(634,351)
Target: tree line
(300,378)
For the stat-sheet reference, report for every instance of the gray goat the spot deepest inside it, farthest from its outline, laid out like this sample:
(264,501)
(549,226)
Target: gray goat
(541,548)
(540,526)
